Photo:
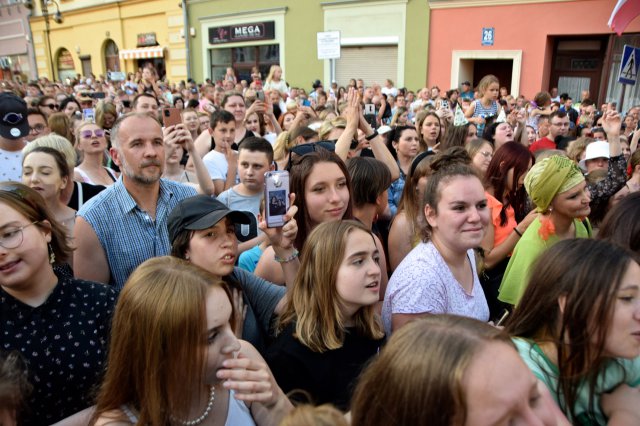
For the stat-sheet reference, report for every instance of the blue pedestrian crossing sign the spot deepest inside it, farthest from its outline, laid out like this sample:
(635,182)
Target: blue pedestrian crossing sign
(629,65)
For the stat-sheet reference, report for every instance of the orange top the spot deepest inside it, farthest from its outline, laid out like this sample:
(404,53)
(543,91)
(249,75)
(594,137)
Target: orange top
(500,232)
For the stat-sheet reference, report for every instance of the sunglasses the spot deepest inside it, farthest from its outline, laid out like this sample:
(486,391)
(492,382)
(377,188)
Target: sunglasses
(52,106)
(308,148)
(86,134)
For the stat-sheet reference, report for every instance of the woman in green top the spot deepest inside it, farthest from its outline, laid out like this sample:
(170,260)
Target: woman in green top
(577,327)
(558,189)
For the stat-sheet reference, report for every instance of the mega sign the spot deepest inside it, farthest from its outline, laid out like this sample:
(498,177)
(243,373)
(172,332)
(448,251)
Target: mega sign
(242,32)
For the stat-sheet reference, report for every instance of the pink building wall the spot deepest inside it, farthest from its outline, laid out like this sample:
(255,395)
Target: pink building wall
(517,27)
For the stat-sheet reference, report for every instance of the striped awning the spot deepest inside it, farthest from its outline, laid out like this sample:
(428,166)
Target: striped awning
(143,53)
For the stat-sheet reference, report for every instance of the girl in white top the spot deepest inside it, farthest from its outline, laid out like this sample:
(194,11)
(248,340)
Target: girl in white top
(439,275)
(91,142)
(174,359)
(275,82)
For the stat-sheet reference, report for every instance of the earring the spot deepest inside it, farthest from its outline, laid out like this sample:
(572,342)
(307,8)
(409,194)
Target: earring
(52,255)
(186,257)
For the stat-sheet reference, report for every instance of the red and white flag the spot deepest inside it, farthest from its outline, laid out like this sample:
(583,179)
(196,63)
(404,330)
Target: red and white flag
(624,12)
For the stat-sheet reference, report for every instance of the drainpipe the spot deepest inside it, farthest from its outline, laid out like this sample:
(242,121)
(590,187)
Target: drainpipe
(187,37)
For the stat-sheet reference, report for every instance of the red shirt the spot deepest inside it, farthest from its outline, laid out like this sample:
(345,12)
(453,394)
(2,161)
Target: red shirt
(544,143)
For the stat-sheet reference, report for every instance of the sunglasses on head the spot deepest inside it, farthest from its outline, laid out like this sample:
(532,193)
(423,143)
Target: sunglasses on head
(308,148)
(88,133)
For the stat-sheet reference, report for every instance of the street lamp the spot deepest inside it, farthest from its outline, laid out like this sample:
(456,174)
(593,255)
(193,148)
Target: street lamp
(57,18)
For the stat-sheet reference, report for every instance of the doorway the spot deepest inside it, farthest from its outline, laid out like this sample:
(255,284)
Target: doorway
(577,65)
(501,68)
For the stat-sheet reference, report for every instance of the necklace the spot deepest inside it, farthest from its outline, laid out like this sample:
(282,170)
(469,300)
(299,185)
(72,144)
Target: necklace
(207,410)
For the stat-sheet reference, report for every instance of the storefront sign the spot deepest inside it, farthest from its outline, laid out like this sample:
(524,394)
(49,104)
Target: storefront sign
(329,45)
(242,32)
(147,39)
(488,35)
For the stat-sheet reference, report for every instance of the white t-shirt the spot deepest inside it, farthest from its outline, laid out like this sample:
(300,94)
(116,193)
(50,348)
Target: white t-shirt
(217,165)
(423,283)
(11,165)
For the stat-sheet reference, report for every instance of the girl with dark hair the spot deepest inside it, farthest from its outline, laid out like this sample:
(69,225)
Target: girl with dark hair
(46,171)
(439,275)
(322,185)
(404,143)
(507,199)
(577,327)
(621,225)
(459,136)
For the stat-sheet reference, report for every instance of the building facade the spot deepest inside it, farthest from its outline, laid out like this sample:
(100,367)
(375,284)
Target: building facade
(378,39)
(16,50)
(108,36)
(530,45)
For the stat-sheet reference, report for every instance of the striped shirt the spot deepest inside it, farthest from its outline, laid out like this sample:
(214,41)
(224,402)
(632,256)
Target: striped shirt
(128,235)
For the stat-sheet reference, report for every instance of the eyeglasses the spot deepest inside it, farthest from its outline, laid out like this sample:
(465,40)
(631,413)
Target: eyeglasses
(86,134)
(12,238)
(308,148)
(37,128)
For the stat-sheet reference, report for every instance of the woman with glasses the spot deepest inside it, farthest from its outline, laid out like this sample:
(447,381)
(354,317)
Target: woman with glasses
(47,105)
(481,153)
(91,143)
(60,325)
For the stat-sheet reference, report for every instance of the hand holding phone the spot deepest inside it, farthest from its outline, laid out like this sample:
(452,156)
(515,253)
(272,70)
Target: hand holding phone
(171,117)
(276,197)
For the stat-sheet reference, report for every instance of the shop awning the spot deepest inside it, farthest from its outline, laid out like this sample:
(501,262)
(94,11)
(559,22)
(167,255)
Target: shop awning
(143,53)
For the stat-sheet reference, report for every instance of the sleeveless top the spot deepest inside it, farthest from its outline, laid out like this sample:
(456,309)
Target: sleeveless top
(482,111)
(238,413)
(87,179)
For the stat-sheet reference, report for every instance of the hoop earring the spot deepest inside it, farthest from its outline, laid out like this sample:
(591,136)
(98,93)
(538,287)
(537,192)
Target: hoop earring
(52,255)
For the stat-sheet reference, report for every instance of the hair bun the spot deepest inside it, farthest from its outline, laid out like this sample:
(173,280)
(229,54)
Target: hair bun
(451,157)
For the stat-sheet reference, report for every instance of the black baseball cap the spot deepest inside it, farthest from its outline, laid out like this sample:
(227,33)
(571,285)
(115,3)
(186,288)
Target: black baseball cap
(466,83)
(201,212)
(13,116)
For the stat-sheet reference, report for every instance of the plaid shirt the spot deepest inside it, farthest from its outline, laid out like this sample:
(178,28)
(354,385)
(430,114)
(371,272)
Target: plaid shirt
(128,235)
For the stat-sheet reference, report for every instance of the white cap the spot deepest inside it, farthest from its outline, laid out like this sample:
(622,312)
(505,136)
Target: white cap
(596,149)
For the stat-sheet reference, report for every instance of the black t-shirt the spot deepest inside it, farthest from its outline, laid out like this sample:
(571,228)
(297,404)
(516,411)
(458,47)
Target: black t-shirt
(64,344)
(83,192)
(328,377)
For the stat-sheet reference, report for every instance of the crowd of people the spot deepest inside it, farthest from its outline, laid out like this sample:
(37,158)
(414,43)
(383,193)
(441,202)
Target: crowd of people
(465,257)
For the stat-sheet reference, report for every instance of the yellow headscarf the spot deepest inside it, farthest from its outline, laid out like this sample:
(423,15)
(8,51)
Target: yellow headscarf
(549,177)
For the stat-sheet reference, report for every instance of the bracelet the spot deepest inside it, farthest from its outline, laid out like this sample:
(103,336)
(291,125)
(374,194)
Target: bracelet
(372,135)
(517,232)
(288,259)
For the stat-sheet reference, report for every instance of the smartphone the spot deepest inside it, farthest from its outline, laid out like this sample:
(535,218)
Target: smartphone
(260,95)
(306,103)
(171,117)
(276,197)
(444,104)
(126,103)
(369,109)
(98,95)
(89,115)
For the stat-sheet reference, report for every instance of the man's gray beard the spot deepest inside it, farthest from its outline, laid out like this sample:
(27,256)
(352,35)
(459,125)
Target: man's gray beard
(141,179)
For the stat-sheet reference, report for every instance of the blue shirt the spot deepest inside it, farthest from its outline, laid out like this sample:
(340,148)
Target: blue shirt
(394,193)
(127,234)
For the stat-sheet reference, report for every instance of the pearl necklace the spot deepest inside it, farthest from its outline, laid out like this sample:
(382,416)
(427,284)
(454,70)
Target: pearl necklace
(204,415)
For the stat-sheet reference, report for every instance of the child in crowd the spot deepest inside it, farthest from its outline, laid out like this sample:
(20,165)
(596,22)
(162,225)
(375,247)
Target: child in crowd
(222,160)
